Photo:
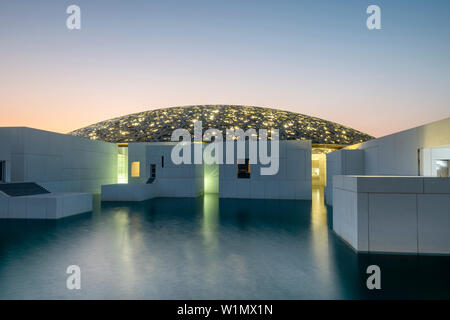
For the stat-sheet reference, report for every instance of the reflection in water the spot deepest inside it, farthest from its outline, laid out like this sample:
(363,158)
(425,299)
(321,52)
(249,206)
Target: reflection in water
(125,245)
(319,234)
(318,209)
(204,248)
(210,221)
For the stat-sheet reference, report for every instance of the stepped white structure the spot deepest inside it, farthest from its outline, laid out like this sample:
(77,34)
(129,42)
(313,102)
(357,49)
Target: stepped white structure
(392,194)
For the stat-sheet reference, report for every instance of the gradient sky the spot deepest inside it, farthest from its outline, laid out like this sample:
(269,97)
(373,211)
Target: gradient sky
(314,57)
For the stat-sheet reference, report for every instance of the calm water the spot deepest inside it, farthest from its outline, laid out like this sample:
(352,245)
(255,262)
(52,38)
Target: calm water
(204,248)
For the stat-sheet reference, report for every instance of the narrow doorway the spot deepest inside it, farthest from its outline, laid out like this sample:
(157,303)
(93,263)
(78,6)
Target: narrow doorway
(319,169)
(2,171)
(211,178)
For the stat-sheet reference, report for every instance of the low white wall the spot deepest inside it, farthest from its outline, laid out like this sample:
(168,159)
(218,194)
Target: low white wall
(393,214)
(293,180)
(184,180)
(58,162)
(128,192)
(45,206)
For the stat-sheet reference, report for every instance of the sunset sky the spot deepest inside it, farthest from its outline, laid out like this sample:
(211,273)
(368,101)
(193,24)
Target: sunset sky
(314,57)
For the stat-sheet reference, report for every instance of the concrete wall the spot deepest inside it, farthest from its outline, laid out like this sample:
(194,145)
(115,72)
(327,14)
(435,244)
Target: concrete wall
(129,192)
(293,180)
(393,214)
(44,206)
(342,162)
(184,180)
(58,162)
(5,153)
(395,154)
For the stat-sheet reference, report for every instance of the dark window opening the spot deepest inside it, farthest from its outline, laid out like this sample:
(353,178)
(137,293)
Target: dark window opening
(244,170)
(2,171)
(153,171)
(162,162)
(418,162)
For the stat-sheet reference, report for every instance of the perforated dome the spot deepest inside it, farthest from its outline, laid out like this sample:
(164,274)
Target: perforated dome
(157,125)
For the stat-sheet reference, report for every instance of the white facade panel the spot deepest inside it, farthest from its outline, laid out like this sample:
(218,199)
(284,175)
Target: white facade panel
(58,162)
(394,219)
(408,153)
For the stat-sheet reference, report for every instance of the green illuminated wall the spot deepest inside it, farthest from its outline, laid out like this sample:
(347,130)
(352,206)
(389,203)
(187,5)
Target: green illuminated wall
(211,176)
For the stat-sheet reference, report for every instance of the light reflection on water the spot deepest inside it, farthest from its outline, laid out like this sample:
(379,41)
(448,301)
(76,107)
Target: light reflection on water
(204,248)
(210,221)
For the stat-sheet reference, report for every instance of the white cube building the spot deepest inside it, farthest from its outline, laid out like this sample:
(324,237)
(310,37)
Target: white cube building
(392,194)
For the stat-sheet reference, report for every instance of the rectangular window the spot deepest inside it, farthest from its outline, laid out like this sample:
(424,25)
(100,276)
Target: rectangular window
(153,171)
(122,164)
(243,170)
(2,171)
(162,162)
(442,168)
(135,166)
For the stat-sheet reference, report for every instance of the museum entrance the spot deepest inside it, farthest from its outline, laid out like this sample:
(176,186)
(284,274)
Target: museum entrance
(319,170)
(319,163)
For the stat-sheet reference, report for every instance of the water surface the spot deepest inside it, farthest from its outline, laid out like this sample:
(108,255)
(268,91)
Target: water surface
(204,248)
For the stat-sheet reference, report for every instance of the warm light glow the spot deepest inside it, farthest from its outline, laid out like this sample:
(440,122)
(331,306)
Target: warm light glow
(135,167)
(318,169)
(353,146)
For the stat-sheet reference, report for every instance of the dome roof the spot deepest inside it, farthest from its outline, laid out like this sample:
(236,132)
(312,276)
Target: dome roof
(157,125)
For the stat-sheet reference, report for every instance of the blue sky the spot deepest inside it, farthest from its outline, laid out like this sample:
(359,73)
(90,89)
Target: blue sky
(312,57)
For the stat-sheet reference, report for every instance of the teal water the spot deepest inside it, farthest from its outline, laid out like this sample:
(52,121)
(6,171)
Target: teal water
(204,248)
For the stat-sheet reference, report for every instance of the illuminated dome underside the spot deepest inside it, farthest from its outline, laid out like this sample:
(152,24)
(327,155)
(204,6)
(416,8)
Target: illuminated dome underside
(157,125)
